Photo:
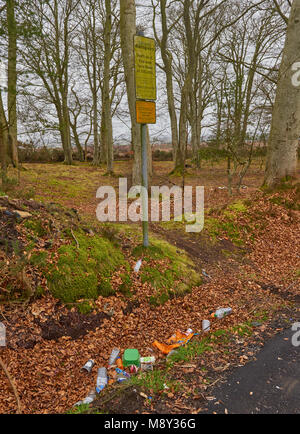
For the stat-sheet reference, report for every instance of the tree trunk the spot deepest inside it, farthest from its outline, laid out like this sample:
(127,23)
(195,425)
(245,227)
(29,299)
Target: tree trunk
(285,129)
(3,143)
(12,81)
(167,60)
(107,121)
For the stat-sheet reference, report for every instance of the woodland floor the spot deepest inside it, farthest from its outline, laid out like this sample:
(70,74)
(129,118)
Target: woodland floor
(252,258)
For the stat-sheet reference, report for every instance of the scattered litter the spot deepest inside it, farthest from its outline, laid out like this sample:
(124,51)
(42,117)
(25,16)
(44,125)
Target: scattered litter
(222,312)
(205,325)
(88,366)
(143,395)
(205,274)
(121,378)
(102,379)
(119,363)
(133,369)
(113,357)
(122,372)
(147,363)
(138,266)
(131,357)
(176,340)
(88,400)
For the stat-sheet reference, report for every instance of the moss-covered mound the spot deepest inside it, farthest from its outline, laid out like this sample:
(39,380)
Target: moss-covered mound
(168,270)
(84,271)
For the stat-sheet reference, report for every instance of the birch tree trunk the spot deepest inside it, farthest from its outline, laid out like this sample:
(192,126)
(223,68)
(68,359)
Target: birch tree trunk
(285,129)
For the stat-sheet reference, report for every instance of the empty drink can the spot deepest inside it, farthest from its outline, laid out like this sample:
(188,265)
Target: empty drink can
(89,366)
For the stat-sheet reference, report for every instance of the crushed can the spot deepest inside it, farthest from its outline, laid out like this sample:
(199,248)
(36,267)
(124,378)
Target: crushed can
(88,366)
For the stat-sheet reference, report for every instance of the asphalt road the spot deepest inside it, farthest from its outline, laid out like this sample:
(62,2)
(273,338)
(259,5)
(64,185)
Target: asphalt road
(268,385)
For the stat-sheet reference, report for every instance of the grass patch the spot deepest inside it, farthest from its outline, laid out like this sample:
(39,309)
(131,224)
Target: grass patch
(155,381)
(36,227)
(190,351)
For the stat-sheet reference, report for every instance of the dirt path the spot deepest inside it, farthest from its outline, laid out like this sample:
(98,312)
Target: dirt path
(268,385)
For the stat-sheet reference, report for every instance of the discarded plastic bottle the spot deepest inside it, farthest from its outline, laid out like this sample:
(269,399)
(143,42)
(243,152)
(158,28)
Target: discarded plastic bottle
(119,363)
(90,398)
(113,357)
(102,379)
(138,266)
(206,325)
(221,313)
(122,372)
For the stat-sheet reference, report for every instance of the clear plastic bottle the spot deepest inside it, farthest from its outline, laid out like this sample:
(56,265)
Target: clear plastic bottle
(113,357)
(90,398)
(138,266)
(205,326)
(102,379)
(221,313)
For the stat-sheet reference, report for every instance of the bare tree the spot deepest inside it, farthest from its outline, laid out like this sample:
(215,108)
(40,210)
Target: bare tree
(285,128)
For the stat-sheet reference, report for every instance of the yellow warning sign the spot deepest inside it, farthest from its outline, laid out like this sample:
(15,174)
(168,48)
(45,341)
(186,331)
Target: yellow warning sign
(145,69)
(145,112)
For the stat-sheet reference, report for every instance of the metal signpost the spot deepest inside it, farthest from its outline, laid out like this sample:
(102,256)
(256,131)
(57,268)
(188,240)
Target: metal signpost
(145,85)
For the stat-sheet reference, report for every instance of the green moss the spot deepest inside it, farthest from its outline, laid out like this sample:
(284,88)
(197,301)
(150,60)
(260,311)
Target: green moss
(126,285)
(39,292)
(36,227)
(239,207)
(176,279)
(286,203)
(216,228)
(38,259)
(84,272)
(105,289)
(84,308)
